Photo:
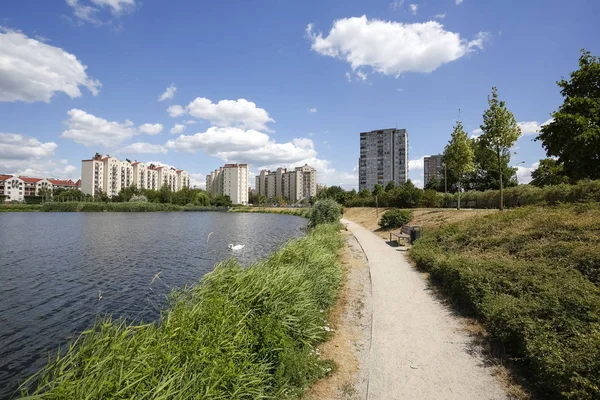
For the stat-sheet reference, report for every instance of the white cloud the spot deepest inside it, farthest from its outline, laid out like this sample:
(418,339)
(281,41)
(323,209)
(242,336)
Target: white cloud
(248,146)
(175,111)
(151,129)
(169,93)
(312,110)
(524,173)
(458,1)
(396,4)
(532,127)
(190,122)
(418,183)
(239,113)
(361,75)
(392,48)
(178,128)
(349,76)
(416,164)
(414,8)
(198,180)
(31,70)
(143,148)
(23,155)
(440,16)
(116,6)
(89,130)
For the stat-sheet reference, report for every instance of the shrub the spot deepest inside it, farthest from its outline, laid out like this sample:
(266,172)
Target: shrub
(138,199)
(395,218)
(431,199)
(325,211)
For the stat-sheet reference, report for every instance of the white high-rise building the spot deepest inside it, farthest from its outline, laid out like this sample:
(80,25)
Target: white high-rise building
(383,158)
(110,175)
(230,180)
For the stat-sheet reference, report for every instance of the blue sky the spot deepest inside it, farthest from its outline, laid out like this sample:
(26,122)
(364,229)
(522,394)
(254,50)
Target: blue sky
(273,82)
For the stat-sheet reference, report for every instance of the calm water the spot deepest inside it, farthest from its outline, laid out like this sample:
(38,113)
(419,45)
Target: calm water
(53,266)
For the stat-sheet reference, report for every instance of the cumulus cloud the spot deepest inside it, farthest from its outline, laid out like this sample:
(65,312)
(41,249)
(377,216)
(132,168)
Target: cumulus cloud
(175,111)
(151,129)
(417,164)
(143,148)
(169,93)
(239,113)
(414,8)
(89,130)
(532,127)
(24,155)
(198,180)
(178,128)
(392,48)
(31,70)
(524,173)
(232,144)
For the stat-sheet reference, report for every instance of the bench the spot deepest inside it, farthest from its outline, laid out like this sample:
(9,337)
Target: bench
(404,233)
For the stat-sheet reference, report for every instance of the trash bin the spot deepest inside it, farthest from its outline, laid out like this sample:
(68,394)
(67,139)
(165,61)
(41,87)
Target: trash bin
(415,233)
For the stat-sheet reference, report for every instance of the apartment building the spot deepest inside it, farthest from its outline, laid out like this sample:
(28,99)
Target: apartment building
(294,185)
(230,180)
(108,174)
(433,168)
(383,158)
(16,188)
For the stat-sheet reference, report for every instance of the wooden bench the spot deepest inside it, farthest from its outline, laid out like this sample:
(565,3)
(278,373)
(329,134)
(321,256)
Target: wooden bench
(405,232)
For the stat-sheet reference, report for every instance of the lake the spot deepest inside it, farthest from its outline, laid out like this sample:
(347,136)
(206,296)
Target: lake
(58,271)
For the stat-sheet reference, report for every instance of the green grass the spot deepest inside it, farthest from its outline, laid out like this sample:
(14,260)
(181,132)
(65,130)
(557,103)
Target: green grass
(531,275)
(299,212)
(100,206)
(242,333)
(19,207)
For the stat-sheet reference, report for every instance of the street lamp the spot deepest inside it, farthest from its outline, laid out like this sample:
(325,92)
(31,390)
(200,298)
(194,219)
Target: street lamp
(517,166)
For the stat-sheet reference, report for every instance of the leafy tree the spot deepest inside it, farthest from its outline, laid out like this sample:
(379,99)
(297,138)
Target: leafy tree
(433,184)
(325,211)
(165,194)
(406,195)
(500,132)
(202,199)
(364,194)
(127,193)
(574,134)
(221,201)
(458,155)
(549,172)
(377,190)
(486,173)
(390,185)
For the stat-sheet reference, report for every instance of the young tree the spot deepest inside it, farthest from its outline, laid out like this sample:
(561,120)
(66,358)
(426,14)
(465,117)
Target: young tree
(377,190)
(549,172)
(458,155)
(574,135)
(390,186)
(500,132)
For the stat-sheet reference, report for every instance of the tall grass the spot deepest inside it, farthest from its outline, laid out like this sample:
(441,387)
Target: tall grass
(100,206)
(239,334)
(532,276)
(19,207)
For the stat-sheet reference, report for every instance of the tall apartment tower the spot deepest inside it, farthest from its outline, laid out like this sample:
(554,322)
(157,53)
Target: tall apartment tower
(230,180)
(432,168)
(383,158)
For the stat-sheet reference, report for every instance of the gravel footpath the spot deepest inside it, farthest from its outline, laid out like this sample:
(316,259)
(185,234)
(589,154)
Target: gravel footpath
(419,350)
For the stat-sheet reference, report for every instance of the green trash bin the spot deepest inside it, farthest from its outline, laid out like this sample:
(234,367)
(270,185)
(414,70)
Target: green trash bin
(415,233)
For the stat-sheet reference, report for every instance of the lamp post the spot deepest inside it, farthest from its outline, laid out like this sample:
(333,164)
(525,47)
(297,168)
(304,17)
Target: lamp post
(517,166)
(445,180)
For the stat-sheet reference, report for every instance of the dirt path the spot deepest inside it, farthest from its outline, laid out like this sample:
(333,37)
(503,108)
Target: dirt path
(418,349)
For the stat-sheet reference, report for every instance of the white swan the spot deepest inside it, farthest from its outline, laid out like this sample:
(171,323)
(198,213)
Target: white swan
(236,247)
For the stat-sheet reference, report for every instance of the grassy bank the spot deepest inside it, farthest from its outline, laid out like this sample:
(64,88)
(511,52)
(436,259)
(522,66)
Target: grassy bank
(239,334)
(100,206)
(299,212)
(19,207)
(531,275)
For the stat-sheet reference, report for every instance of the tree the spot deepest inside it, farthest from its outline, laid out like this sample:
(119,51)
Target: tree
(390,185)
(377,190)
(364,194)
(549,172)
(433,184)
(486,172)
(574,134)
(165,194)
(500,132)
(458,155)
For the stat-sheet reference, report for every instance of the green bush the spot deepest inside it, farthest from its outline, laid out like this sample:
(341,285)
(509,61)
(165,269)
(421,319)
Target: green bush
(138,199)
(395,218)
(242,333)
(431,199)
(116,207)
(326,211)
(532,276)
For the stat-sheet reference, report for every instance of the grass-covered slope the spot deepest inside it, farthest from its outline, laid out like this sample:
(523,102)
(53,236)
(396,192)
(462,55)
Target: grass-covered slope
(531,275)
(239,334)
